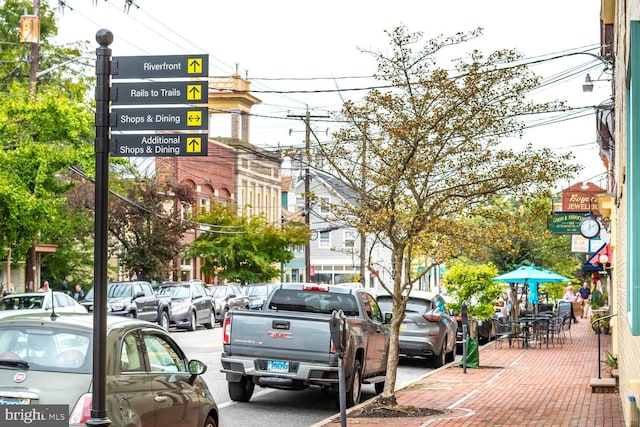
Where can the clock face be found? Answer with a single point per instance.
(589, 227)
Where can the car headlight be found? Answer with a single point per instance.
(116, 306)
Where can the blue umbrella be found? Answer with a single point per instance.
(531, 275)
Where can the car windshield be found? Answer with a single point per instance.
(21, 302)
(219, 292)
(89, 295)
(257, 291)
(179, 292)
(119, 290)
(45, 349)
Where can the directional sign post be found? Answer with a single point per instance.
(182, 92)
(151, 145)
(175, 118)
(143, 67)
(142, 106)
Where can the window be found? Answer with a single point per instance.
(162, 356)
(325, 204)
(349, 238)
(324, 241)
(130, 355)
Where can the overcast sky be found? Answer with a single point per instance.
(284, 45)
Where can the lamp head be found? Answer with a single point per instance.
(588, 84)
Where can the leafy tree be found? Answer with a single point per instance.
(244, 249)
(42, 135)
(473, 285)
(147, 223)
(426, 155)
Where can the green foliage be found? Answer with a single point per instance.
(598, 300)
(610, 360)
(148, 224)
(242, 249)
(473, 285)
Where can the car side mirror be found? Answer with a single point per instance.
(138, 294)
(196, 368)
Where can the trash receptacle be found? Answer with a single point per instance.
(473, 354)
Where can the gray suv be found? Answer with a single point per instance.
(227, 297)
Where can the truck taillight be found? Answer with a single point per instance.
(226, 331)
(315, 288)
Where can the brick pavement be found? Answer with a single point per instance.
(514, 387)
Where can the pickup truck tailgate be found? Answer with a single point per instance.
(302, 337)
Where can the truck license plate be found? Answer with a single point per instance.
(277, 366)
(14, 401)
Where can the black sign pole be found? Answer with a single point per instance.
(103, 76)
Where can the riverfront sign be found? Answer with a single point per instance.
(142, 107)
(144, 67)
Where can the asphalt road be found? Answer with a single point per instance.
(270, 407)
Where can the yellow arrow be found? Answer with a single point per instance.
(194, 145)
(194, 118)
(194, 65)
(194, 93)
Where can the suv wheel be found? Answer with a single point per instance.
(192, 322)
(211, 320)
(164, 320)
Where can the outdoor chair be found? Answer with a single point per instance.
(556, 331)
(540, 332)
(504, 332)
(566, 325)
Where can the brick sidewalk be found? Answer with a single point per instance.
(514, 387)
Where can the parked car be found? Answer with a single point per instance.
(227, 297)
(150, 380)
(137, 299)
(190, 304)
(428, 330)
(258, 293)
(87, 302)
(42, 301)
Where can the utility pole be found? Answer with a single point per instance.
(30, 33)
(307, 190)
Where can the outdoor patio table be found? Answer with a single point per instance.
(526, 322)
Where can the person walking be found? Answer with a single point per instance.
(585, 294)
(569, 296)
(78, 295)
(45, 287)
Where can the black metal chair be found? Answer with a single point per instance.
(540, 332)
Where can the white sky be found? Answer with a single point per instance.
(284, 44)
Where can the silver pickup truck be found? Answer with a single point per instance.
(287, 345)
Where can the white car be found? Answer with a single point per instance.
(41, 302)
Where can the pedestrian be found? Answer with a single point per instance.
(79, 293)
(44, 287)
(64, 288)
(585, 294)
(569, 296)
